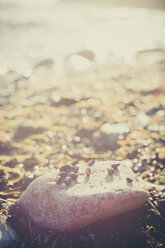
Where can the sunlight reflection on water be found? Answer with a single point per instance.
(36, 30)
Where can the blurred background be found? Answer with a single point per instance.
(32, 31)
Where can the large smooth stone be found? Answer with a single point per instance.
(57, 202)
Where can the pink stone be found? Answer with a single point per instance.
(96, 196)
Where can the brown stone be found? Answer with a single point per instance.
(67, 207)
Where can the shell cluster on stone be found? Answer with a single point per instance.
(67, 174)
(77, 195)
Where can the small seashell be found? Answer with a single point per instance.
(115, 166)
(129, 180)
(73, 176)
(88, 172)
(66, 168)
(74, 162)
(90, 162)
(110, 171)
(63, 175)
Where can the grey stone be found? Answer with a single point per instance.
(95, 197)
